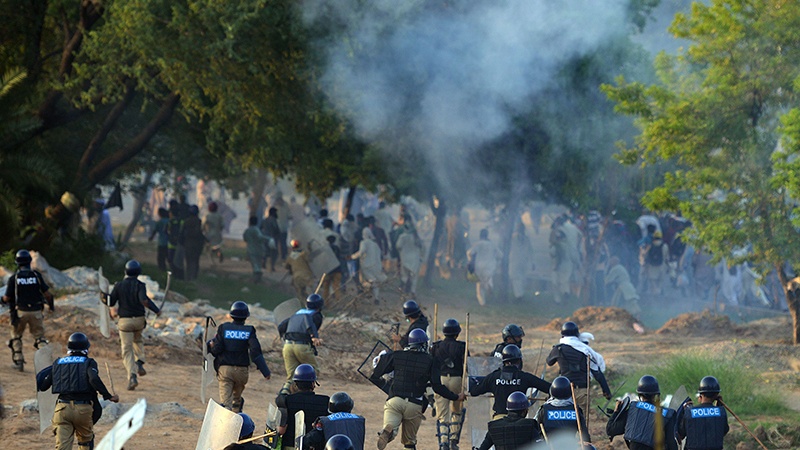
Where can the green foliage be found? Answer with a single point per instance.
(85, 249)
(741, 389)
(7, 259)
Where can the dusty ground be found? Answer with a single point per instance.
(174, 374)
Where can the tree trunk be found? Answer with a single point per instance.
(791, 289)
(348, 202)
(506, 240)
(440, 215)
(257, 193)
(139, 198)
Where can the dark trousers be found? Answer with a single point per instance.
(161, 257)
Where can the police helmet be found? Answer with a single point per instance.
(248, 427)
(78, 341)
(511, 353)
(417, 337)
(648, 385)
(512, 330)
(305, 372)
(451, 327)
(340, 402)
(133, 268)
(570, 329)
(339, 442)
(560, 388)
(23, 258)
(517, 401)
(411, 308)
(315, 301)
(239, 310)
(709, 385)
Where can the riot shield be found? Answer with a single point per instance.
(479, 414)
(299, 428)
(480, 366)
(371, 361)
(286, 310)
(321, 258)
(45, 357)
(678, 398)
(221, 427)
(104, 322)
(273, 420)
(127, 425)
(208, 375)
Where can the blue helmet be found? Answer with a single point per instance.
(23, 258)
(248, 427)
(517, 401)
(511, 353)
(339, 442)
(239, 310)
(305, 372)
(417, 337)
(411, 308)
(315, 301)
(133, 268)
(451, 327)
(561, 388)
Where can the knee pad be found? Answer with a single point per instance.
(40, 342)
(88, 445)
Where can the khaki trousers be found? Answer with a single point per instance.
(34, 320)
(130, 338)
(399, 411)
(580, 397)
(448, 410)
(232, 380)
(72, 420)
(296, 354)
(330, 286)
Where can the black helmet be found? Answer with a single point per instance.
(709, 385)
(560, 388)
(78, 341)
(304, 372)
(517, 401)
(239, 310)
(512, 330)
(340, 402)
(417, 337)
(23, 258)
(451, 327)
(133, 268)
(648, 385)
(511, 353)
(339, 442)
(410, 308)
(570, 329)
(315, 301)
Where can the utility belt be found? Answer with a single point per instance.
(416, 401)
(30, 308)
(289, 341)
(76, 402)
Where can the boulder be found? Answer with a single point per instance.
(85, 277)
(29, 405)
(52, 276)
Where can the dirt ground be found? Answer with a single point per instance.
(172, 384)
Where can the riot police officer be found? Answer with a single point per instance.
(512, 334)
(413, 369)
(26, 294)
(313, 405)
(513, 430)
(76, 381)
(248, 427)
(558, 413)
(416, 320)
(575, 360)
(704, 425)
(131, 295)
(234, 346)
(636, 421)
(448, 354)
(339, 421)
(507, 379)
(300, 334)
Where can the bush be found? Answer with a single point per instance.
(7, 260)
(86, 249)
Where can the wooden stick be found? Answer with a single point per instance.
(319, 285)
(544, 433)
(577, 415)
(255, 438)
(110, 380)
(742, 423)
(464, 377)
(435, 320)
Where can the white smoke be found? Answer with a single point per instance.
(447, 80)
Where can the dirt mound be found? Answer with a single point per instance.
(699, 324)
(595, 318)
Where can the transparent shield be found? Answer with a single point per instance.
(44, 357)
(221, 427)
(299, 428)
(127, 425)
(104, 322)
(286, 310)
(208, 375)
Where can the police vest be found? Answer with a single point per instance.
(512, 432)
(71, 375)
(640, 426)
(350, 425)
(559, 417)
(236, 341)
(705, 427)
(572, 364)
(311, 404)
(28, 290)
(298, 325)
(412, 373)
(449, 355)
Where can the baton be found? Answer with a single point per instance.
(743, 425)
(255, 438)
(435, 320)
(321, 280)
(110, 380)
(164, 300)
(577, 415)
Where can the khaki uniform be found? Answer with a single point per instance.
(399, 411)
(302, 276)
(130, 339)
(448, 411)
(232, 380)
(71, 420)
(296, 354)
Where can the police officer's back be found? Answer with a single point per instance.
(76, 380)
(636, 421)
(705, 425)
(514, 430)
(558, 415)
(313, 405)
(512, 334)
(574, 359)
(508, 379)
(340, 421)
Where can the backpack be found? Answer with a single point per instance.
(655, 255)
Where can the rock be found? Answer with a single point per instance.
(85, 277)
(5, 274)
(52, 276)
(87, 300)
(151, 285)
(29, 405)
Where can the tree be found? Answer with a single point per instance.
(715, 116)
